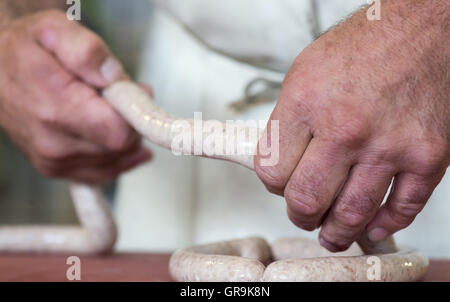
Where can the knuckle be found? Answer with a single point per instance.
(274, 191)
(401, 221)
(338, 244)
(309, 227)
(291, 81)
(415, 197)
(49, 151)
(347, 126)
(121, 140)
(351, 133)
(302, 202)
(352, 210)
(431, 157)
(302, 88)
(272, 178)
(404, 212)
(298, 96)
(350, 218)
(92, 44)
(91, 47)
(301, 222)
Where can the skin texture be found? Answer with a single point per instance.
(245, 260)
(365, 103)
(52, 69)
(241, 260)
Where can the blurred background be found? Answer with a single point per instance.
(200, 56)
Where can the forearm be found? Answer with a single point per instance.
(423, 26)
(408, 27)
(422, 30)
(10, 9)
(408, 50)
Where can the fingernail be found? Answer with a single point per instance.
(112, 71)
(378, 234)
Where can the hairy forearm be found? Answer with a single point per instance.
(419, 23)
(10, 9)
(408, 49)
(422, 29)
(407, 25)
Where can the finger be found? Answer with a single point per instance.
(56, 146)
(59, 164)
(315, 183)
(292, 138)
(80, 109)
(106, 157)
(41, 70)
(104, 173)
(355, 206)
(408, 197)
(79, 50)
(84, 113)
(59, 149)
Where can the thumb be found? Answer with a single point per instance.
(79, 50)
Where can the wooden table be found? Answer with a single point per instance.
(122, 267)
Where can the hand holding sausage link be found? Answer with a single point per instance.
(49, 104)
(366, 103)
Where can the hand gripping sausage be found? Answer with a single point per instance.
(244, 260)
(251, 259)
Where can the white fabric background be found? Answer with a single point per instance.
(179, 201)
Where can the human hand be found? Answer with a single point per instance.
(366, 103)
(51, 72)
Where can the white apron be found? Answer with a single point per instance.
(199, 56)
